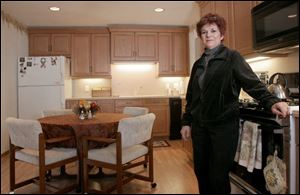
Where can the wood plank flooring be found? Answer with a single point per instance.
(173, 173)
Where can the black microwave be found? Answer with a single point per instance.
(275, 25)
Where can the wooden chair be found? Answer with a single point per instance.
(135, 111)
(132, 147)
(55, 112)
(27, 144)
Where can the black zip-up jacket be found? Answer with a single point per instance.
(227, 72)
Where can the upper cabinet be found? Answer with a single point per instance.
(133, 45)
(49, 43)
(163, 44)
(173, 53)
(91, 55)
(239, 24)
(92, 50)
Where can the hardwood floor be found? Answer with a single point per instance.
(173, 173)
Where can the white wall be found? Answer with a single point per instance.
(14, 43)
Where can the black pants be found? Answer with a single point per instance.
(214, 148)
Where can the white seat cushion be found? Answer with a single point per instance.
(108, 154)
(53, 155)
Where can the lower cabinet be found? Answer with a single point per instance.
(120, 104)
(106, 105)
(70, 104)
(160, 107)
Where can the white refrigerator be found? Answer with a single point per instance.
(43, 83)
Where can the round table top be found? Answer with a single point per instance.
(72, 119)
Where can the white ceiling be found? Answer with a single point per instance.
(101, 13)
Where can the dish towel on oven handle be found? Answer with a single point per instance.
(249, 151)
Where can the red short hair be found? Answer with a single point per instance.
(210, 19)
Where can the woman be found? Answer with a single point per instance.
(211, 117)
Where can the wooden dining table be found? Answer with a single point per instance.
(102, 125)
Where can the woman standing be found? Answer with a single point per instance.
(211, 116)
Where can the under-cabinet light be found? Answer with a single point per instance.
(158, 10)
(55, 9)
(134, 67)
(257, 59)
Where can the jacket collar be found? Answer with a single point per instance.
(222, 55)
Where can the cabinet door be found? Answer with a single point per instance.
(160, 107)
(161, 123)
(146, 46)
(180, 54)
(39, 44)
(101, 54)
(122, 46)
(120, 104)
(61, 44)
(241, 16)
(205, 8)
(165, 55)
(173, 54)
(81, 55)
(223, 9)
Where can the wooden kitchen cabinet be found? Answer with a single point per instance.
(134, 46)
(120, 104)
(237, 14)
(173, 54)
(91, 55)
(70, 104)
(106, 105)
(49, 44)
(242, 26)
(160, 107)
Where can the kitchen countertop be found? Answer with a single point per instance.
(126, 97)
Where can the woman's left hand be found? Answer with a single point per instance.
(281, 109)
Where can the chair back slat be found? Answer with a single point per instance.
(136, 130)
(136, 111)
(24, 133)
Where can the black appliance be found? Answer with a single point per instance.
(275, 25)
(272, 132)
(175, 118)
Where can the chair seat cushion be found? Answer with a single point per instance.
(53, 155)
(108, 154)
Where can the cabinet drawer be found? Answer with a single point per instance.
(156, 101)
(128, 102)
